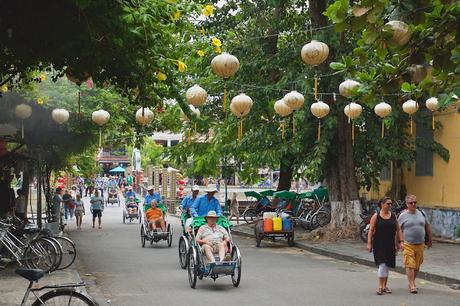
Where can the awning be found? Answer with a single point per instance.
(117, 169)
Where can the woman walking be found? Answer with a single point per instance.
(384, 239)
(79, 211)
(234, 209)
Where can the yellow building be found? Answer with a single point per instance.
(436, 183)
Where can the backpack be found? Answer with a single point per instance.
(427, 238)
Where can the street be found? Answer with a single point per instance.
(127, 274)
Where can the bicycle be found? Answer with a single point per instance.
(64, 294)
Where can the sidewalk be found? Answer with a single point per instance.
(441, 263)
(13, 286)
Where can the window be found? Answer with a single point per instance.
(423, 157)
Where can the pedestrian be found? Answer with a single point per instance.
(20, 205)
(384, 239)
(97, 207)
(234, 209)
(79, 211)
(67, 198)
(56, 208)
(416, 232)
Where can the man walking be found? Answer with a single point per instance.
(414, 227)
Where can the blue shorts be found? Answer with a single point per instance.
(97, 213)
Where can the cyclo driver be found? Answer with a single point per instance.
(186, 204)
(206, 203)
(213, 238)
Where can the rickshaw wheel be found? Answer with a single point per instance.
(142, 236)
(170, 235)
(290, 240)
(249, 215)
(183, 252)
(191, 268)
(236, 276)
(257, 234)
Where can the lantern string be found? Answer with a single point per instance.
(432, 121)
(22, 129)
(189, 137)
(383, 128)
(100, 137)
(315, 93)
(353, 132)
(411, 128)
(319, 129)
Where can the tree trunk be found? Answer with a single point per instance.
(285, 175)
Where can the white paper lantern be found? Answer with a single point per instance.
(100, 117)
(23, 111)
(315, 52)
(60, 115)
(225, 65)
(196, 95)
(282, 109)
(353, 110)
(144, 116)
(319, 109)
(410, 107)
(194, 110)
(241, 105)
(294, 100)
(382, 109)
(401, 31)
(432, 104)
(346, 87)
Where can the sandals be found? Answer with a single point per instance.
(380, 291)
(413, 290)
(387, 290)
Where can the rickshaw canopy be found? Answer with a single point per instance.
(254, 194)
(268, 193)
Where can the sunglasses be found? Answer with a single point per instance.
(389, 203)
(412, 202)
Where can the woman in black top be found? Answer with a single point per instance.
(384, 239)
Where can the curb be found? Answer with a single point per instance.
(436, 278)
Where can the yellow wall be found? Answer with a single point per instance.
(443, 188)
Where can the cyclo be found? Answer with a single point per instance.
(191, 255)
(156, 235)
(131, 210)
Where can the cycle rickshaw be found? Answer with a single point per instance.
(131, 210)
(156, 235)
(196, 262)
(112, 197)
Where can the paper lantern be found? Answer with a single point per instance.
(76, 78)
(282, 109)
(401, 31)
(319, 110)
(346, 87)
(241, 106)
(144, 116)
(196, 95)
(294, 100)
(23, 111)
(60, 115)
(225, 65)
(432, 104)
(315, 52)
(193, 110)
(100, 117)
(410, 107)
(353, 111)
(382, 110)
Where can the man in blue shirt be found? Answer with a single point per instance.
(151, 196)
(206, 203)
(130, 193)
(188, 200)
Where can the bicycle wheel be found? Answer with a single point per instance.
(58, 246)
(322, 218)
(65, 296)
(249, 215)
(69, 252)
(42, 254)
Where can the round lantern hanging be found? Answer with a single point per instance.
(432, 104)
(196, 95)
(77, 78)
(347, 86)
(295, 100)
(225, 65)
(353, 111)
(320, 110)
(100, 117)
(60, 115)
(314, 53)
(23, 111)
(282, 109)
(382, 110)
(410, 107)
(241, 106)
(401, 32)
(144, 116)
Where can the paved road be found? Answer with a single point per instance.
(127, 274)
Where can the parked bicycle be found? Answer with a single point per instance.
(62, 294)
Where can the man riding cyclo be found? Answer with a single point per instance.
(213, 238)
(204, 204)
(152, 195)
(187, 202)
(155, 217)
